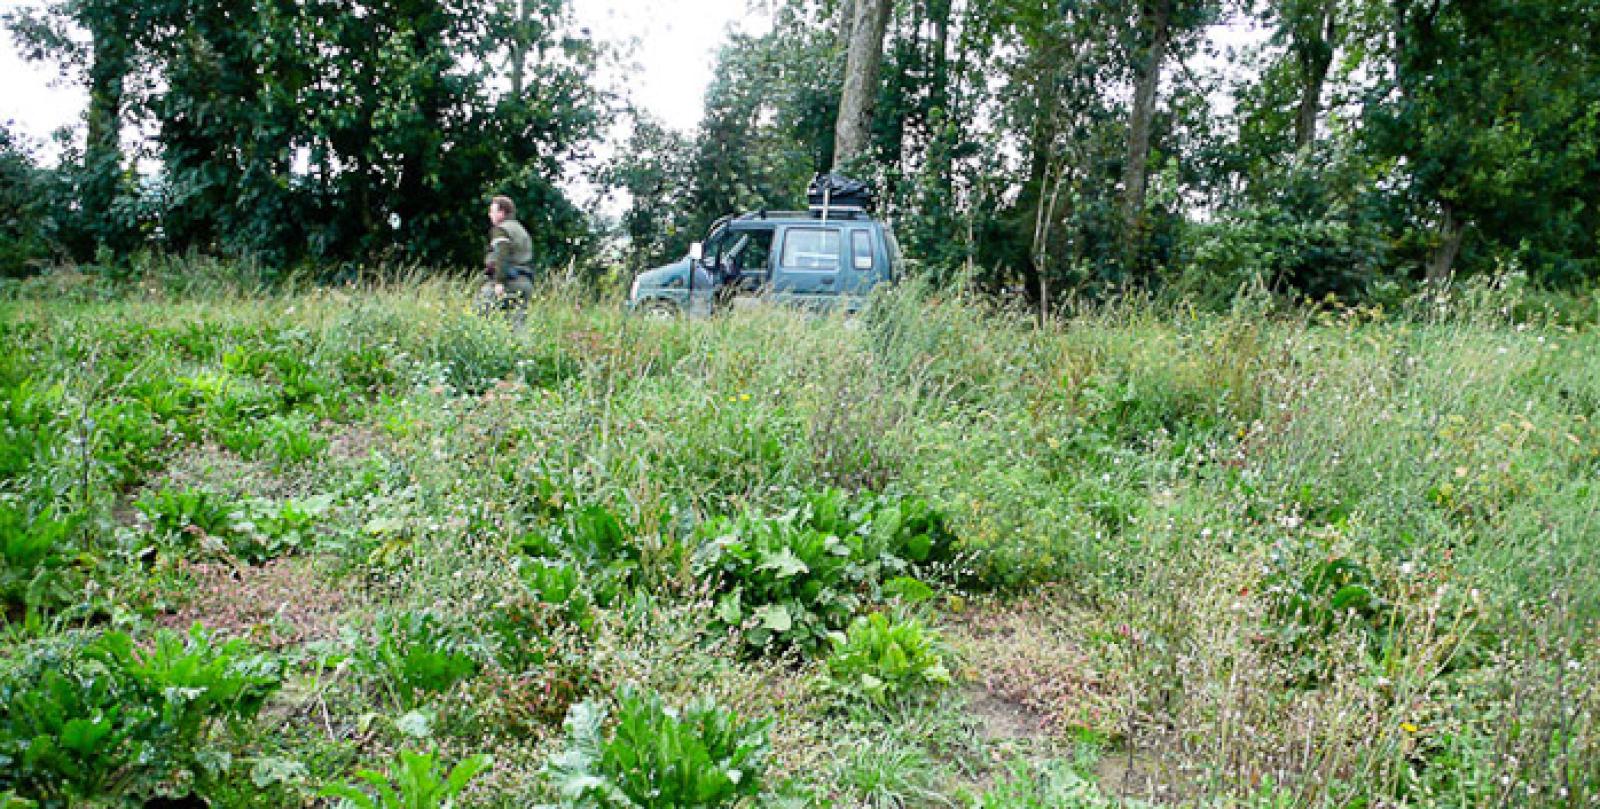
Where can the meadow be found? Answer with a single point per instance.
(360, 546)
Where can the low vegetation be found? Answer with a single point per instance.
(361, 547)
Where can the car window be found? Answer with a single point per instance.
(754, 251)
(861, 250)
(811, 249)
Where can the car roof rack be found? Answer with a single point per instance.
(851, 212)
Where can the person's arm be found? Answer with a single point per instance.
(499, 259)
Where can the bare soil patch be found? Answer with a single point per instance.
(281, 603)
(1035, 676)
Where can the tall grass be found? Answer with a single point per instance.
(1332, 559)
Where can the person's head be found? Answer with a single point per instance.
(501, 209)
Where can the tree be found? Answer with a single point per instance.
(1312, 30)
(1489, 109)
(105, 64)
(868, 21)
(654, 170)
(26, 214)
(1162, 29)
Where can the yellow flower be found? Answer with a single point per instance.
(1408, 727)
(744, 397)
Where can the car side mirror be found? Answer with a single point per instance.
(697, 251)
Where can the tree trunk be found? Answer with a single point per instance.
(1315, 55)
(519, 49)
(1155, 19)
(1041, 147)
(860, 91)
(103, 149)
(941, 150)
(1451, 231)
(847, 16)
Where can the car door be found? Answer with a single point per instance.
(810, 260)
(864, 264)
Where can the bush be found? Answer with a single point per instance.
(701, 756)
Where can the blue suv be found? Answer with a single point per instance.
(826, 257)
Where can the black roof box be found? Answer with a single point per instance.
(829, 193)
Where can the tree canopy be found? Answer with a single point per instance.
(1045, 148)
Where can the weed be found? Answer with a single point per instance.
(882, 661)
(414, 660)
(82, 722)
(658, 757)
(413, 781)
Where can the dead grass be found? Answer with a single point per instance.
(281, 603)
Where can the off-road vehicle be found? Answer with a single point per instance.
(831, 255)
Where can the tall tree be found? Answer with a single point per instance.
(1311, 27)
(1151, 35)
(868, 21)
(114, 30)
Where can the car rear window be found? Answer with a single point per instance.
(811, 249)
(861, 250)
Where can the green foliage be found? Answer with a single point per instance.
(656, 756)
(1052, 786)
(414, 658)
(783, 584)
(885, 773)
(401, 117)
(292, 441)
(175, 512)
(883, 661)
(414, 781)
(262, 529)
(789, 581)
(29, 411)
(130, 440)
(33, 548)
(25, 215)
(1366, 527)
(252, 530)
(103, 719)
(1332, 594)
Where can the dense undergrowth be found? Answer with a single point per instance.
(932, 556)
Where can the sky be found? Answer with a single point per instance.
(672, 47)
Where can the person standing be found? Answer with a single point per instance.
(507, 266)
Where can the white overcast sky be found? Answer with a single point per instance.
(673, 44)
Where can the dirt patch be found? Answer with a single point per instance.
(351, 442)
(214, 468)
(1000, 720)
(1144, 777)
(1033, 670)
(280, 603)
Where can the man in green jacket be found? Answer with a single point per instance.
(507, 266)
